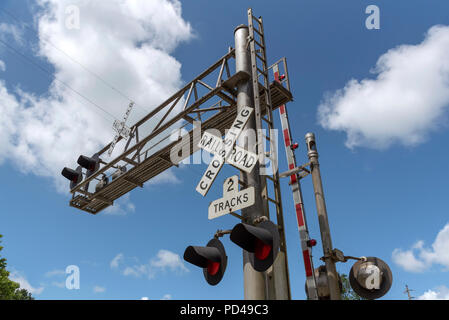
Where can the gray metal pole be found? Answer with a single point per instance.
(255, 283)
(332, 276)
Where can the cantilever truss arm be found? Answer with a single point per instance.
(221, 88)
(209, 98)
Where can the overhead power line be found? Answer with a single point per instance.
(23, 56)
(97, 76)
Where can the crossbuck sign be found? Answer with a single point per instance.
(220, 157)
(239, 157)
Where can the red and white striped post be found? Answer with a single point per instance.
(297, 198)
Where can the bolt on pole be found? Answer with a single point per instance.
(332, 276)
(255, 283)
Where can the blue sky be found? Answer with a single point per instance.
(382, 141)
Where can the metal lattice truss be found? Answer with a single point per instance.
(209, 98)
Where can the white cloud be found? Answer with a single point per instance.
(164, 260)
(128, 43)
(167, 297)
(61, 284)
(54, 273)
(121, 207)
(24, 284)
(407, 100)
(11, 30)
(167, 259)
(167, 176)
(116, 261)
(98, 289)
(420, 258)
(144, 298)
(440, 293)
(2, 65)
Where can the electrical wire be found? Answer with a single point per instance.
(54, 77)
(8, 13)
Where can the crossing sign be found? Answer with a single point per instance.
(239, 157)
(219, 158)
(232, 200)
(122, 130)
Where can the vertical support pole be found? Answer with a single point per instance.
(255, 283)
(295, 185)
(332, 276)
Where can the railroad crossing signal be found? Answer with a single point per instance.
(232, 200)
(91, 164)
(212, 258)
(261, 241)
(370, 278)
(75, 176)
(219, 159)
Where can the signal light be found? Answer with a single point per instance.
(282, 77)
(211, 258)
(90, 164)
(294, 146)
(311, 243)
(75, 176)
(261, 241)
(370, 278)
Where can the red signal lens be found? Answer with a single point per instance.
(213, 267)
(282, 77)
(294, 146)
(262, 250)
(311, 243)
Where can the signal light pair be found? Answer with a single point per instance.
(91, 164)
(261, 242)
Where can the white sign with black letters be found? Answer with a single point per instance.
(240, 158)
(232, 200)
(219, 159)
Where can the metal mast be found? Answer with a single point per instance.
(329, 259)
(278, 275)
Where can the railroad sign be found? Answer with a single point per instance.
(122, 130)
(239, 157)
(232, 200)
(219, 159)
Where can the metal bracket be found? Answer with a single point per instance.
(338, 256)
(221, 233)
(260, 219)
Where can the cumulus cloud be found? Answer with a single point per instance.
(440, 293)
(98, 289)
(127, 43)
(164, 261)
(167, 297)
(419, 258)
(24, 284)
(116, 261)
(121, 207)
(168, 260)
(56, 272)
(403, 104)
(10, 30)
